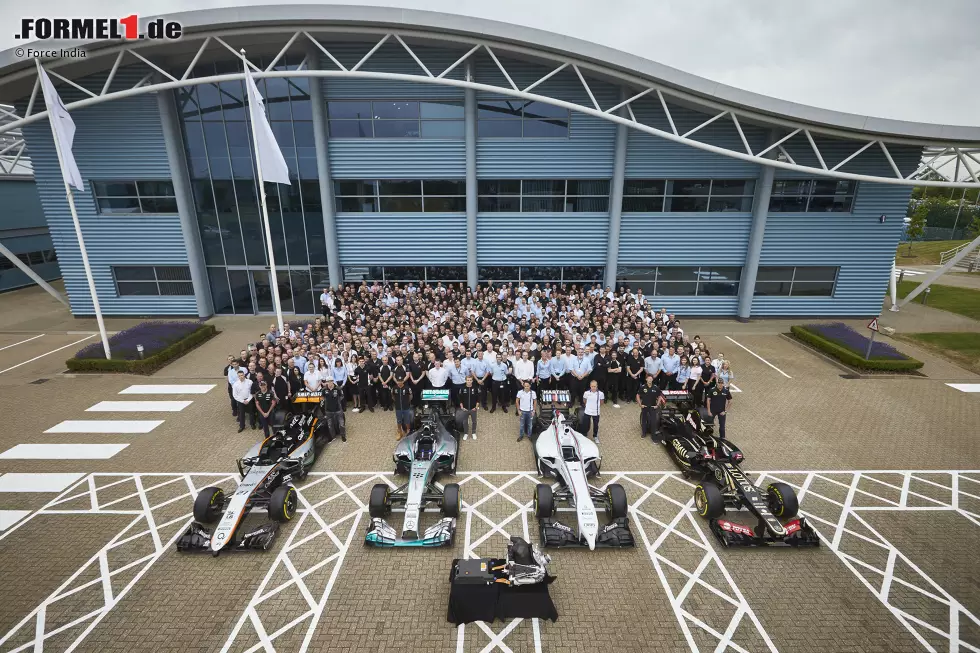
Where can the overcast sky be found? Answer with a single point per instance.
(904, 59)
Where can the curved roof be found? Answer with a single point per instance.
(385, 17)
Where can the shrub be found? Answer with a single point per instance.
(848, 346)
(162, 343)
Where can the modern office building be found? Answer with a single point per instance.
(426, 146)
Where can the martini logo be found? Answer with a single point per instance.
(97, 29)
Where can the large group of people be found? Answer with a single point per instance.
(378, 346)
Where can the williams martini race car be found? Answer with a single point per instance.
(566, 455)
(268, 471)
(715, 463)
(432, 448)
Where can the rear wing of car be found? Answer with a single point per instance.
(556, 397)
(308, 397)
(677, 396)
(435, 394)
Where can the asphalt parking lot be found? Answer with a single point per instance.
(885, 466)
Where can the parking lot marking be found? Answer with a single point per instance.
(10, 517)
(105, 426)
(759, 357)
(62, 451)
(14, 367)
(734, 388)
(18, 482)
(139, 406)
(22, 342)
(166, 390)
(965, 387)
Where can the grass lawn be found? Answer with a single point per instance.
(964, 301)
(924, 253)
(961, 348)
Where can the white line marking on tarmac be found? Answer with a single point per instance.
(166, 390)
(105, 426)
(760, 358)
(965, 387)
(20, 482)
(734, 388)
(10, 517)
(21, 342)
(139, 406)
(62, 451)
(49, 353)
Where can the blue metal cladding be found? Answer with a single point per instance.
(542, 238)
(21, 205)
(13, 277)
(115, 140)
(587, 153)
(684, 239)
(401, 238)
(394, 158)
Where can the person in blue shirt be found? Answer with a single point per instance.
(671, 363)
(500, 385)
(653, 366)
(580, 370)
(543, 371)
(683, 374)
(481, 374)
(456, 377)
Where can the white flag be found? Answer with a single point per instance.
(266, 148)
(63, 129)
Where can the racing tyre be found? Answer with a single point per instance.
(209, 505)
(451, 501)
(618, 505)
(544, 502)
(708, 501)
(282, 505)
(378, 503)
(782, 500)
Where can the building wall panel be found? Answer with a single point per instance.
(684, 238)
(21, 205)
(542, 238)
(401, 239)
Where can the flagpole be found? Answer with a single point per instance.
(78, 227)
(274, 282)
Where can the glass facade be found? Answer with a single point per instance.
(403, 273)
(577, 274)
(665, 281)
(217, 138)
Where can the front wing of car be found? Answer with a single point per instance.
(615, 534)
(732, 534)
(381, 533)
(197, 539)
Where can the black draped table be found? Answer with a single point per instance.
(469, 602)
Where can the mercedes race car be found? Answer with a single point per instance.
(715, 463)
(268, 471)
(572, 459)
(432, 448)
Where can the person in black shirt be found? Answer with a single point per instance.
(295, 379)
(416, 375)
(384, 385)
(634, 369)
(469, 404)
(360, 381)
(600, 364)
(373, 368)
(401, 397)
(707, 382)
(614, 384)
(719, 399)
(651, 399)
(280, 387)
(265, 403)
(333, 409)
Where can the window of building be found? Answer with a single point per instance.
(405, 273)
(687, 195)
(521, 119)
(30, 259)
(543, 195)
(531, 274)
(401, 196)
(812, 196)
(787, 281)
(139, 197)
(395, 119)
(152, 280)
(702, 281)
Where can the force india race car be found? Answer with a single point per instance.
(715, 463)
(267, 470)
(432, 448)
(563, 453)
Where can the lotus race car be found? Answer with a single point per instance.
(563, 453)
(715, 463)
(267, 470)
(432, 448)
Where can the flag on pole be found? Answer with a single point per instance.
(63, 128)
(267, 150)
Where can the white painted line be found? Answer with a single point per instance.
(965, 387)
(105, 426)
(18, 482)
(21, 342)
(10, 517)
(734, 388)
(760, 358)
(166, 390)
(909, 273)
(139, 406)
(62, 451)
(14, 367)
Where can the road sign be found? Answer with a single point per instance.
(873, 324)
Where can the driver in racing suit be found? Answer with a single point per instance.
(333, 409)
(651, 399)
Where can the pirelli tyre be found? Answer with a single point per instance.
(708, 500)
(782, 500)
(378, 504)
(544, 502)
(283, 503)
(451, 502)
(616, 498)
(209, 505)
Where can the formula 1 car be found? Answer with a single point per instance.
(430, 449)
(268, 471)
(715, 463)
(563, 453)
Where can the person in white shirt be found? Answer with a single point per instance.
(241, 390)
(438, 375)
(591, 400)
(314, 375)
(526, 404)
(489, 356)
(524, 369)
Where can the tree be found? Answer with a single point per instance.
(974, 229)
(917, 226)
